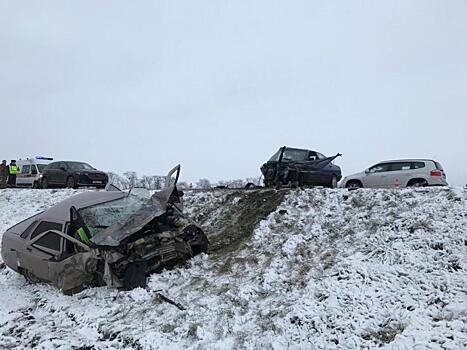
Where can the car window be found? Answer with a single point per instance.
(312, 155)
(418, 165)
(380, 168)
(80, 166)
(401, 166)
(320, 155)
(28, 230)
(46, 226)
(41, 167)
(50, 240)
(53, 165)
(275, 157)
(25, 169)
(438, 166)
(33, 169)
(294, 155)
(100, 216)
(62, 165)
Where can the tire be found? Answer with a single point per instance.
(333, 182)
(70, 182)
(353, 185)
(197, 239)
(29, 276)
(418, 183)
(44, 183)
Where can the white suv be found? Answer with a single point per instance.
(398, 173)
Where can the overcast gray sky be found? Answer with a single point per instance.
(218, 86)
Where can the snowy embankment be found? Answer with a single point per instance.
(325, 269)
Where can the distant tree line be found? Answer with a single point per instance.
(130, 179)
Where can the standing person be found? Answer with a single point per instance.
(3, 174)
(13, 169)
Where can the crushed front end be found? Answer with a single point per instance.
(139, 235)
(156, 247)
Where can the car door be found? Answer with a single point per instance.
(62, 173)
(376, 176)
(42, 246)
(51, 173)
(312, 175)
(34, 176)
(55, 257)
(49, 244)
(23, 178)
(326, 169)
(398, 175)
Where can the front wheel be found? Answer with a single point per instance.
(196, 238)
(70, 182)
(353, 185)
(30, 277)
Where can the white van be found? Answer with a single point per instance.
(30, 171)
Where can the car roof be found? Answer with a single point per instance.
(61, 211)
(33, 161)
(407, 160)
(299, 149)
(69, 161)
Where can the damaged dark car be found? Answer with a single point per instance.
(301, 167)
(105, 238)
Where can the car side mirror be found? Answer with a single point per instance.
(367, 171)
(62, 168)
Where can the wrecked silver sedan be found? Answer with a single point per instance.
(104, 238)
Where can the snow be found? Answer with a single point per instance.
(327, 269)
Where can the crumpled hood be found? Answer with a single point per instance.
(115, 234)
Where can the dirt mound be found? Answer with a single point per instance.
(230, 217)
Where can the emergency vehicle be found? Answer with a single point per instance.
(31, 171)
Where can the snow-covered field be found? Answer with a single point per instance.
(325, 269)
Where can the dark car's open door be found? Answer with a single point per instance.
(300, 172)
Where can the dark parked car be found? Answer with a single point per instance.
(301, 167)
(105, 238)
(72, 175)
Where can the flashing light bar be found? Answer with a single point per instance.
(44, 158)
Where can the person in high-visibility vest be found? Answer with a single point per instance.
(82, 236)
(13, 169)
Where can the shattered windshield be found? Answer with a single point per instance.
(294, 155)
(275, 157)
(98, 217)
(290, 155)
